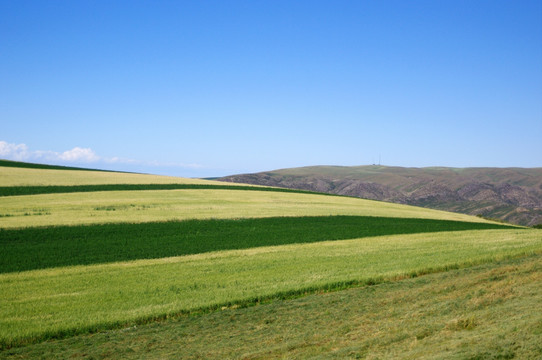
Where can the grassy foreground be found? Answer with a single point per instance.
(38, 248)
(482, 312)
(41, 304)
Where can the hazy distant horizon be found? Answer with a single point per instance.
(167, 171)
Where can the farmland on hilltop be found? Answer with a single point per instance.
(107, 265)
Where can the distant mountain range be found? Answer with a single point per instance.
(510, 194)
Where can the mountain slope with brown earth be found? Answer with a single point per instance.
(509, 194)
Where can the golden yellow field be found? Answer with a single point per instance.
(162, 205)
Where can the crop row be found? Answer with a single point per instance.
(57, 189)
(46, 247)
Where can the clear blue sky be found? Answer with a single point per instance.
(210, 88)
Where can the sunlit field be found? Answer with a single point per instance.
(39, 247)
(84, 262)
(479, 312)
(17, 176)
(164, 205)
(71, 300)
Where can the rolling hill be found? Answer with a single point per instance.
(510, 194)
(106, 265)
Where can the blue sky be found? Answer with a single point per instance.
(211, 88)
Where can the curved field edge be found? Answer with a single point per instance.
(60, 189)
(479, 312)
(39, 248)
(62, 302)
(165, 205)
(27, 165)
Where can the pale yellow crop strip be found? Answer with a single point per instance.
(13, 176)
(163, 205)
(38, 303)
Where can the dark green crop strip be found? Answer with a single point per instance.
(57, 189)
(47, 247)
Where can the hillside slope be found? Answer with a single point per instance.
(91, 251)
(510, 194)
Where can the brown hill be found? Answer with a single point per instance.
(509, 194)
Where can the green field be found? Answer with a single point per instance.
(69, 300)
(480, 312)
(93, 261)
(53, 189)
(38, 248)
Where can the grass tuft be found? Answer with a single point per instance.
(463, 323)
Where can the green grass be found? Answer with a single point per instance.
(37, 248)
(62, 302)
(482, 312)
(58, 189)
(241, 247)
